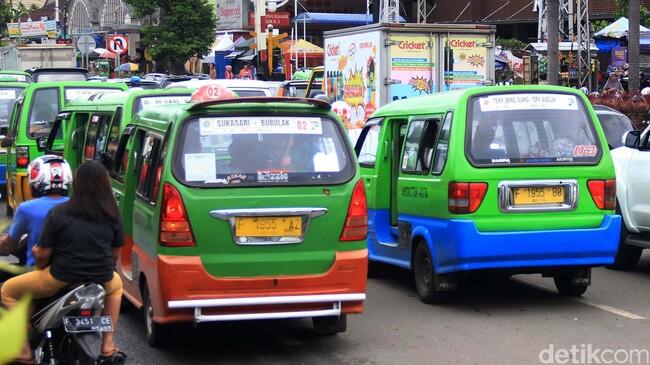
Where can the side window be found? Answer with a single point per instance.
(121, 159)
(114, 135)
(368, 152)
(148, 166)
(418, 150)
(15, 118)
(442, 147)
(44, 108)
(91, 137)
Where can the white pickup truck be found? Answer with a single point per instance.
(631, 155)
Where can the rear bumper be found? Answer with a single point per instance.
(465, 248)
(189, 293)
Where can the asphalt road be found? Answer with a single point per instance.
(489, 322)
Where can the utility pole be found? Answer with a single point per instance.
(633, 44)
(553, 46)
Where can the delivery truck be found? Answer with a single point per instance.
(369, 66)
(33, 56)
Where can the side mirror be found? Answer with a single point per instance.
(41, 143)
(631, 139)
(6, 142)
(75, 137)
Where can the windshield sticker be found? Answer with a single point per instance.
(507, 102)
(163, 100)
(273, 176)
(72, 94)
(95, 119)
(500, 160)
(7, 94)
(200, 167)
(260, 125)
(588, 150)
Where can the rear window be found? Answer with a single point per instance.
(262, 151)
(530, 129)
(72, 93)
(150, 101)
(615, 125)
(8, 96)
(45, 107)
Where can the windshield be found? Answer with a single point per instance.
(262, 151)
(8, 96)
(45, 107)
(145, 102)
(14, 77)
(614, 126)
(72, 93)
(530, 129)
(59, 76)
(249, 92)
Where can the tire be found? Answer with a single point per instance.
(425, 276)
(564, 287)
(626, 256)
(156, 333)
(330, 325)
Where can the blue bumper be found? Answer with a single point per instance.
(456, 245)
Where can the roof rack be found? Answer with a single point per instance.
(321, 104)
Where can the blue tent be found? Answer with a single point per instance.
(337, 19)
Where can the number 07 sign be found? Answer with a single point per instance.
(118, 44)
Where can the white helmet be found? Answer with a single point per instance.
(50, 174)
(645, 91)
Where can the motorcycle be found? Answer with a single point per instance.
(67, 327)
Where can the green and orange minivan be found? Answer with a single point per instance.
(31, 119)
(507, 179)
(241, 209)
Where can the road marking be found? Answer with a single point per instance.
(604, 307)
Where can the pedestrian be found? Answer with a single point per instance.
(213, 71)
(613, 83)
(228, 74)
(246, 73)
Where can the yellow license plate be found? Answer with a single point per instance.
(268, 226)
(538, 195)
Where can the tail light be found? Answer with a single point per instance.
(85, 313)
(603, 192)
(175, 230)
(356, 222)
(466, 197)
(22, 157)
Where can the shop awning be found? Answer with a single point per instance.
(337, 19)
(234, 54)
(619, 29)
(301, 46)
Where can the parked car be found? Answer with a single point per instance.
(631, 156)
(243, 88)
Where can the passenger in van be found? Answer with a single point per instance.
(88, 223)
(483, 141)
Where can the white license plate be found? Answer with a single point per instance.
(88, 324)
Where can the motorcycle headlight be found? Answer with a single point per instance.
(86, 297)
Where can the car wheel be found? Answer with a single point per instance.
(564, 286)
(330, 325)
(626, 256)
(156, 333)
(425, 276)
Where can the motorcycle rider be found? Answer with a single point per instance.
(88, 223)
(50, 177)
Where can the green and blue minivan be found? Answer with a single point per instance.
(9, 92)
(241, 209)
(93, 125)
(31, 119)
(513, 179)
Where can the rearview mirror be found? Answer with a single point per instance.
(631, 139)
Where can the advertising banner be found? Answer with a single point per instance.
(32, 29)
(468, 62)
(619, 56)
(412, 65)
(352, 79)
(233, 14)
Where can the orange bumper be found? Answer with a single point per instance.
(187, 292)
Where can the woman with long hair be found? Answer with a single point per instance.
(79, 242)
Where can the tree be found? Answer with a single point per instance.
(633, 47)
(186, 29)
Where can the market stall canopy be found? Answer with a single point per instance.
(542, 47)
(337, 19)
(234, 54)
(619, 29)
(223, 43)
(301, 46)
